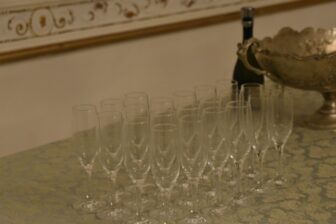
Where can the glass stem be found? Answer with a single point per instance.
(218, 181)
(239, 179)
(251, 162)
(113, 191)
(260, 181)
(279, 148)
(166, 196)
(139, 185)
(195, 199)
(89, 192)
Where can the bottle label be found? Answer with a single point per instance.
(247, 23)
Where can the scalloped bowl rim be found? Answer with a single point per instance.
(316, 56)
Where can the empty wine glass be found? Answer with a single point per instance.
(85, 141)
(280, 125)
(253, 94)
(193, 158)
(239, 132)
(215, 142)
(184, 100)
(165, 162)
(262, 143)
(137, 153)
(206, 96)
(111, 159)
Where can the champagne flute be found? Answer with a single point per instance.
(165, 162)
(253, 93)
(206, 96)
(137, 153)
(215, 141)
(111, 159)
(184, 101)
(162, 110)
(85, 141)
(193, 159)
(280, 125)
(262, 143)
(239, 132)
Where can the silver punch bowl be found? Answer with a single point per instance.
(301, 59)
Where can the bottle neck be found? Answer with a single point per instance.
(247, 28)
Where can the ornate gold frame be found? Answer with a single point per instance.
(142, 32)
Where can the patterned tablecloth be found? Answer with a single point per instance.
(38, 186)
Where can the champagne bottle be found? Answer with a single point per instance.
(241, 74)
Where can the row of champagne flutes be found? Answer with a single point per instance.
(213, 133)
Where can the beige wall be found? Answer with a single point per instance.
(37, 95)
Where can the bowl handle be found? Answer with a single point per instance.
(243, 51)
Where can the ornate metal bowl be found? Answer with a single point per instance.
(301, 59)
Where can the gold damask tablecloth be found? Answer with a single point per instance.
(39, 185)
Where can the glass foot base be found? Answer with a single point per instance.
(169, 215)
(141, 221)
(279, 181)
(88, 206)
(259, 190)
(147, 204)
(194, 219)
(117, 215)
(185, 203)
(217, 210)
(238, 200)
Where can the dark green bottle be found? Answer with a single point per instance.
(241, 74)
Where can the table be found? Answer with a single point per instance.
(38, 186)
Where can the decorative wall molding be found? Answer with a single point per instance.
(31, 27)
(54, 19)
